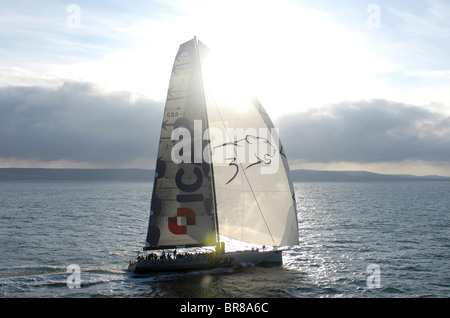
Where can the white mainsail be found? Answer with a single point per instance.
(240, 187)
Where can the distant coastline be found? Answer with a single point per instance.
(76, 174)
(147, 175)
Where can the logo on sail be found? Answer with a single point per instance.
(179, 223)
(247, 148)
(256, 156)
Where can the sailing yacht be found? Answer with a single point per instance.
(221, 174)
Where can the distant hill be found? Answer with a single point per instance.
(148, 175)
(356, 176)
(76, 174)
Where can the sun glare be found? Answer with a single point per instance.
(289, 57)
(227, 80)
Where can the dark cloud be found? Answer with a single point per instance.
(366, 131)
(78, 122)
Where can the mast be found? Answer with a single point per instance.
(211, 165)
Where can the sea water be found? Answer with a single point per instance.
(372, 239)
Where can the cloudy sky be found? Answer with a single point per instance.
(352, 85)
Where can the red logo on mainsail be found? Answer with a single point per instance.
(182, 213)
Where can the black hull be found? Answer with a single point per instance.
(207, 261)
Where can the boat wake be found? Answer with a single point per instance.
(23, 278)
(55, 276)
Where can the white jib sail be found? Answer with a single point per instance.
(253, 191)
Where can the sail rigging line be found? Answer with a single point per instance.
(243, 170)
(211, 165)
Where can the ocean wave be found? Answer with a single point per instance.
(19, 271)
(56, 276)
